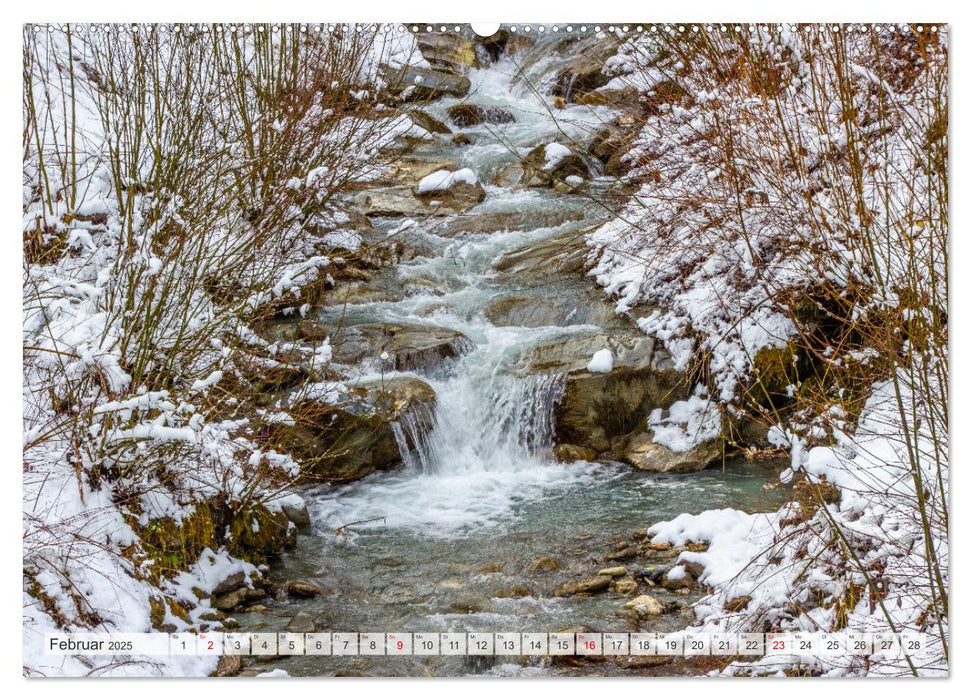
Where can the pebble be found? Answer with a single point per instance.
(645, 605)
(620, 554)
(304, 589)
(587, 585)
(545, 564)
(301, 622)
(613, 571)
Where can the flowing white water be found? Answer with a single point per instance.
(490, 438)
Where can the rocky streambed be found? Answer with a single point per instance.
(466, 467)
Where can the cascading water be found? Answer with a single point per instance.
(448, 541)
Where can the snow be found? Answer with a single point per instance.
(792, 570)
(602, 362)
(553, 154)
(687, 423)
(445, 179)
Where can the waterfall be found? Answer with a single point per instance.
(412, 431)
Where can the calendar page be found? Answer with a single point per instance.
(438, 349)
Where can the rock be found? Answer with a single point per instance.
(509, 176)
(462, 140)
(304, 589)
(655, 574)
(613, 571)
(339, 443)
(411, 83)
(588, 585)
(623, 554)
(449, 51)
(601, 411)
(625, 586)
(228, 666)
(495, 221)
(410, 170)
(301, 622)
(403, 200)
(514, 592)
(585, 72)
(428, 122)
(626, 99)
(676, 578)
(230, 600)
(453, 584)
(561, 254)
(647, 455)
(297, 514)
(408, 346)
(456, 198)
(635, 662)
(567, 301)
(270, 376)
(573, 453)
(612, 143)
(545, 564)
(539, 171)
(230, 583)
(465, 115)
(504, 42)
(696, 569)
(645, 605)
(396, 201)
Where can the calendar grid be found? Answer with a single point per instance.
(378, 644)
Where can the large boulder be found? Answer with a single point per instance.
(447, 51)
(393, 201)
(645, 454)
(496, 221)
(403, 347)
(584, 73)
(551, 164)
(504, 42)
(602, 410)
(414, 84)
(428, 122)
(556, 303)
(451, 190)
(347, 437)
(562, 254)
(404, 200)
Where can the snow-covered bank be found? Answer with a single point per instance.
(790, 232)
(857, 563)
(164, 214)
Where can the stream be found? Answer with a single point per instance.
(451, 541)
